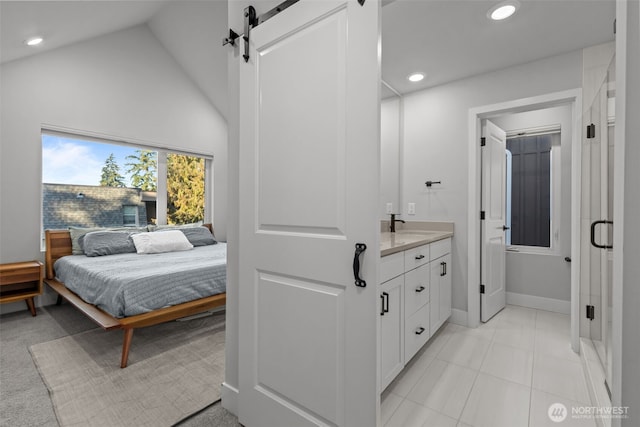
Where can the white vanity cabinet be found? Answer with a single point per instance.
(391, 329)
(416, 310)
(440, 273)
(391, 311)
(414, 301)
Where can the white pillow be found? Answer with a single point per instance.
(155, 243)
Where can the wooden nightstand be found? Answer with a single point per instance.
(21, 281)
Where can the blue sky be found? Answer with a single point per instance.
(72, 161)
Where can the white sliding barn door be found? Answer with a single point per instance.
(309, 183)
(494, 185)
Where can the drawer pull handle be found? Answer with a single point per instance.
(420, 330)
(419, 256)
(420, 289)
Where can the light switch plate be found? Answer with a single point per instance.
(411, 210)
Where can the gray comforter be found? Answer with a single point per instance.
(124, 285)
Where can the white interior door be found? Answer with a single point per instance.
(309, 174)
(494, 182)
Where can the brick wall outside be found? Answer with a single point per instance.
(97, 207)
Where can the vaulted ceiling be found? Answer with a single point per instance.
(446, 39)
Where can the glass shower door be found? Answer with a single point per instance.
(599, 145)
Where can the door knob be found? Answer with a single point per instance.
(505, 228)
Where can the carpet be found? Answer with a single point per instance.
(175, 369)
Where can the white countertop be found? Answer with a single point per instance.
(399, 241)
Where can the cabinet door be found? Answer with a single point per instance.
(445, 288)
(435, 270)
(390, 309)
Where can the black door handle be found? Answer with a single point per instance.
(383, 310)
(593, 234)
(420, 330)
(420, 289)
(505, 228)
(360, 248)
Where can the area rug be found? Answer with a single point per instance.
(175, 369)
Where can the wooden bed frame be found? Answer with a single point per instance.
(58, 244)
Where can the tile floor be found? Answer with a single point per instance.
(507, 372)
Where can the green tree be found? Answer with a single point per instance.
(110, 176)
(143, 169)
(185, 189)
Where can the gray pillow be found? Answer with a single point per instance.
(197, 236)
(99, 243)
(77, 235)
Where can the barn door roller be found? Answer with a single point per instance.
(252, 21)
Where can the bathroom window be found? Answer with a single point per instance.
(532, 185)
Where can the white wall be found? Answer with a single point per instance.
(545, 275)
(390, 155)
(189, 26)
(435, 143)
(124, 84)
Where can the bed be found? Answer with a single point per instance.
(130, 291)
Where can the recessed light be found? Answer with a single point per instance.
(33, 41)
(503, 10)
(415, 77)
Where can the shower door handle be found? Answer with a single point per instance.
(593, 234)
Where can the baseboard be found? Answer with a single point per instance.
(595, 377)
(459, 317)
(230, 398)
(540, 303)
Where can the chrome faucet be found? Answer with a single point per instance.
(392, 225)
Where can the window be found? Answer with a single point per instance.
(185, 188)
(130, 216)
(532, 186)
(97, 183)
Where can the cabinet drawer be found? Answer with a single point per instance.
(416, 289)
(12, 276)
(416, 332)
(391, 266)
(416, 257)
(440, 248)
